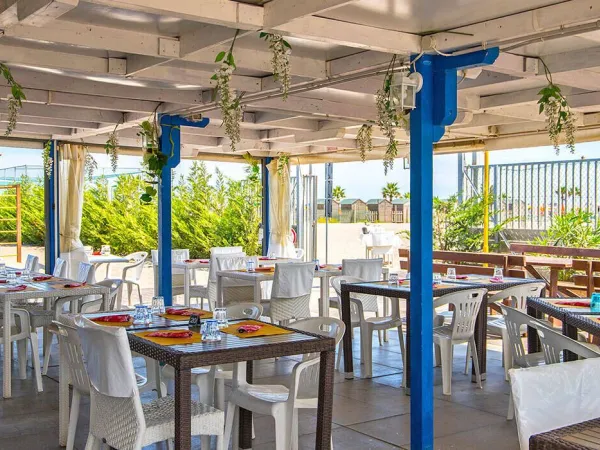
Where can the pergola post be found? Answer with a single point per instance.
(436, 108)
(170, 143)
(51, 217)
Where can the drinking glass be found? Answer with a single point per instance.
(11, 277)
(25, 275)
(498, 274)
(271, 255)
(147, 315)
(2, 268)
(210, 330)
(105, 250)
(139, 315)
(220, 315)
(595, 302)
(158, 305)
(393, 279)
(250, 266)
(437, 278)
(451, 273)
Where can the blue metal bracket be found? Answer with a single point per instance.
(436, 108)
(170, 143)
(51, 186)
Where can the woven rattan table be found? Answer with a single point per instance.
(581, 436)
(232, 349)
(384, 289)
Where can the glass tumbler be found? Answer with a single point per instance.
(220, 315)
(139, 315)
(210, 330)
(498, 274)
(437, 278)
(158, 305)
(451, 273)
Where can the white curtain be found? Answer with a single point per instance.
(72, 163)
(280, 238)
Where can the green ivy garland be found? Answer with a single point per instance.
(15, 100)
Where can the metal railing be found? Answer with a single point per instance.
(532, 194)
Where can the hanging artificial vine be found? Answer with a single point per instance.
(47, 159)
(231, 108)
(280, 61)
(283, 160)
(364, 138)
(559, 116)
(388, 117)
(90, 164)
(15, 101)
(253, 169)
(111, 147)
(155, 159)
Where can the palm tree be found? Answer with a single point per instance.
(390, 191)
(338, 193)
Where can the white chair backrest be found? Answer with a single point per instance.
(244, 311)
(518, 295)
(466, 307)
(213, 266)
(385, 239)
(553, 344)
(181, 253)
(554, 396)
(85, 274)
(114, 285)
(31, 263)
(226, 250)
(67, 334)
(138, 259)
(60, 268)
(154, 256)
(107, 358)
(293, 280)
(369, 302)
(326, 326)
(515, 322)
(365, 269)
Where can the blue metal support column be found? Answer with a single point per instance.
(170, 143)
(51, 216)
(436, 108)
(266, 205)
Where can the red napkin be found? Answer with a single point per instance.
(171, 334)
(189, 260)
(42, 278)
(249, 328)
(573, 303)
(203, 260)
(20, 287)
(462, 277)
(266, 258)
(74, 285)
(322, 266)
(4, 281)
(339, 267)
(496, 280)
(96, 253)
(115, 318)
(179, 312)
(18, 273)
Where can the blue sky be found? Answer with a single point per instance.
(362, 180)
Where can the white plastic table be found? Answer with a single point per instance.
(98, 260)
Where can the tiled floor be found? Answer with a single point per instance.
(368, 414)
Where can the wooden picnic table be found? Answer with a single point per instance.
(533, 263)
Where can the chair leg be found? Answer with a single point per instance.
(93, 443)
(506, 354)
(219, 399)
(229, 419)
(219, 445)
(205, 441)
(445, 346)
(35, 358)
(282, 434)
(403, 352)
(47, 351)
(511, 408)
(22, 355)
(379, 335)
(467, 359)
(339, 356)
(367, 340)
(294, 433)
(139, 293)
(476, 362)
(129, 291)
(437, 356)
(73, 418)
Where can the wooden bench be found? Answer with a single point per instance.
(471, 263)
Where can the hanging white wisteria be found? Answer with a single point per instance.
(90, 164)
(283, 160)
(47, 159)
(364, 139)
(231, 108)
(15, 99)
(111, 147)
(280, 60)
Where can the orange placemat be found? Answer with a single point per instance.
(575, 305)
(195, 339)
(202, 313)
(265, 269)
(114, 324)
(266, 329)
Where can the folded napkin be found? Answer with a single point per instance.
(18, 273)
(20, 287)
(4, 281)
(322, 266)
(462, 277)
(114, 318)
(496, 280)
(97, 253)
(249, 328)
(266, 258)
(42, 278)
(179, 312)
(74, 284)
(573, 303)
(189, 260)
(171, 334)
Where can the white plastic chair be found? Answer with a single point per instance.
(383, 245)
(115, 287)
(281, 402)
(32, 263)
(358, 304)
(118, 418)
(290, 296)
(60, 268)
(461, 330)
(234, 291)
(553, 345)
(177, 275)
(138, 259)
(554, 396)
(209, 291)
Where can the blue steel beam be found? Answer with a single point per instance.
(436, 108)
(51, 186)
(170, 144)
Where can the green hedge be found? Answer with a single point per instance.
(206, 213)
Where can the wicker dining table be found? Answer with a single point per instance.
(580, 436)
(402, 291)
(47, 290)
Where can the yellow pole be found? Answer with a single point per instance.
(486, 209)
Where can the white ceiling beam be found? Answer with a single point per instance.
(41, 12)
(50, 122)
(286, 122)
(510, 64)
(129, 120)
(279, 12)
(492, 32)
(63, 112)
(320, 108)
(485, 120)
(523, 97)
(528, 112)
(34, 129)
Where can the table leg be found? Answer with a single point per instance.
(481, 341)
(347, 339)
(533, 340)
(245, 431)
(6, 392)
(386, 310)
(183, 409)
(325, 405)
(63, 395)
(554, 282)
(186, 287)
(569, 331)
(105, 302)
(324, 296)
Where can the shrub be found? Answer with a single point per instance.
(573, 229)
